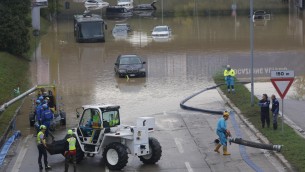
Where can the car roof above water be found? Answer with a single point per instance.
(128, 55)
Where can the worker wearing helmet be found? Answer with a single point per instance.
(70, 151)
(40, 98)
(38, 111)
(223, 133)
(41, 145)
(46, 116)
(229, 75)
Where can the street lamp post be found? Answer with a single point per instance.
(251, 51)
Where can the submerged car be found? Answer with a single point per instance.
(130, 65)
(161, 31)
(121, 29)
(128, 4)
(96, 3)
(113, 12)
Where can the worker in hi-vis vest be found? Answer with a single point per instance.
(229, 75)
(42, 146)
(70, 151)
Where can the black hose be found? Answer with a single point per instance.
(216, 112)
(240, 141)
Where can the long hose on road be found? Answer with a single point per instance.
(183, 106)
(242, 148)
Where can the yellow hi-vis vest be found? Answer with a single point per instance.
(72, 143)
(229, 72)
(113, 122)
(95, 121)
(39, 141)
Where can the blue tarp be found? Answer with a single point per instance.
(7, 146)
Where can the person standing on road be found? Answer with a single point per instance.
(38, 112)
(70, 152)
(264, 104)
(229, 75)
(47, 116)
(223, 133)
(42, 146)
(275, 110)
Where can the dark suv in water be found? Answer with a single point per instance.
(131, 65)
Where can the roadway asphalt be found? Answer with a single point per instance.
(187, 143)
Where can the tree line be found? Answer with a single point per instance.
(15, 19)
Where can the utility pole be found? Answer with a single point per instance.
(251, 51)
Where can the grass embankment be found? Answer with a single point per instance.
(294, 145)
(14, 72)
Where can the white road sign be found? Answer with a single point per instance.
(282, 74)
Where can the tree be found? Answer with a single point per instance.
(15, 23)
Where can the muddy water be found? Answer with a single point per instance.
(200, 46)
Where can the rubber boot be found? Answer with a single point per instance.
(225, 150)
(217, 148)
(48, 167)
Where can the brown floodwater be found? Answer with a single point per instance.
(200, 46)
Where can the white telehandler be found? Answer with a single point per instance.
(100, 130)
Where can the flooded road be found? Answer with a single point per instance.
(200, 46)
(177, 67)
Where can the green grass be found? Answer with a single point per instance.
(294, 145)
(14, 72)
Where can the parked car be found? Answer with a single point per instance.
(161, 31)
(130, 65)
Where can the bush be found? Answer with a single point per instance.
(15, 21)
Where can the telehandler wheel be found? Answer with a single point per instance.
(155, 150)
(115, 156)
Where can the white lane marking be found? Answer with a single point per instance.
(179, 145)
(188, 166)
(22, 153)
(106, 169)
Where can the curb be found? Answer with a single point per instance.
(252, 128)
(293, 125)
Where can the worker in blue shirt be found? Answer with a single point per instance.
(38, 112)
(275, 110)
(47, 116)
(264, 104)
(223, 133)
